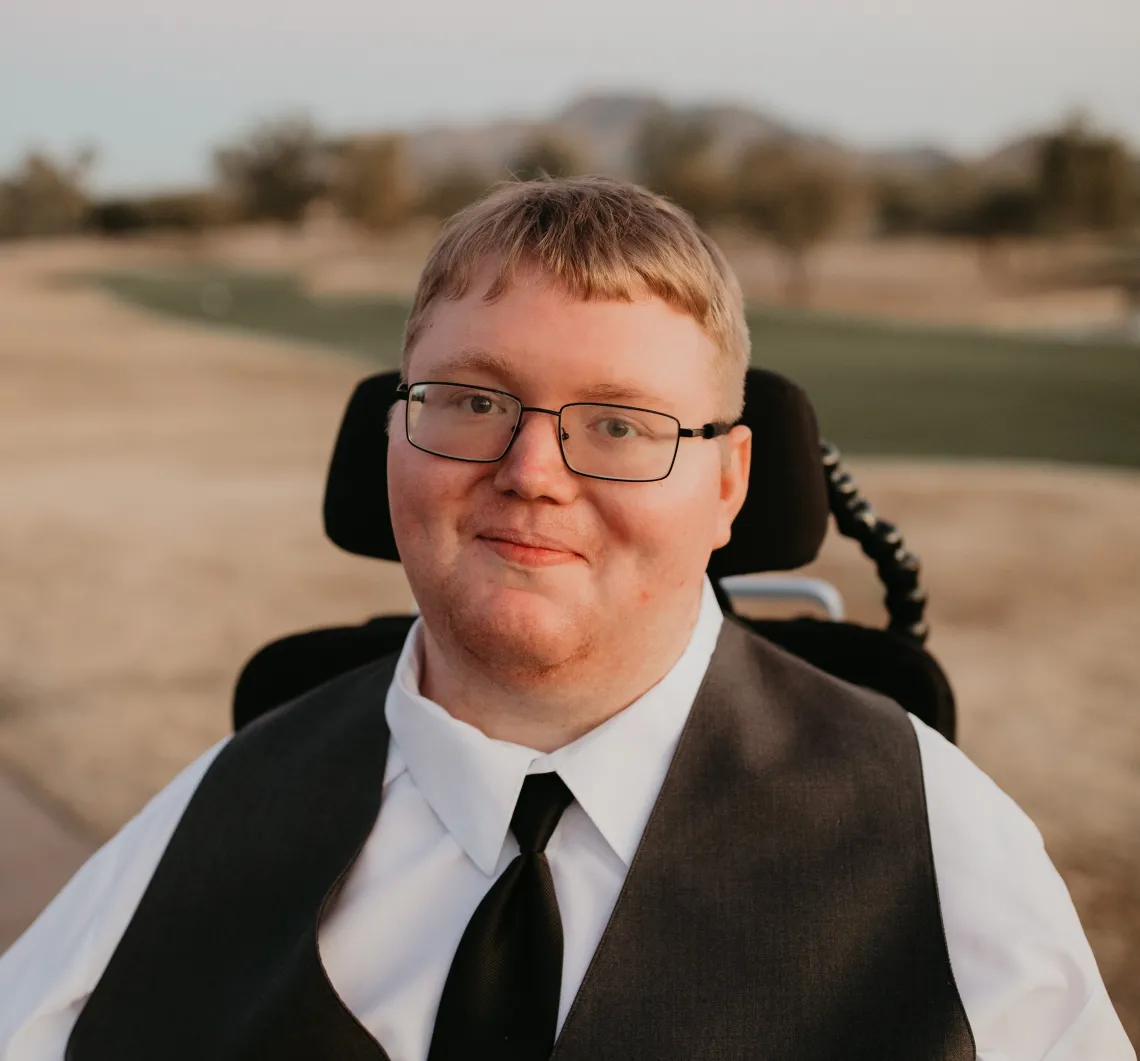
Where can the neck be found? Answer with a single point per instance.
(564, 702)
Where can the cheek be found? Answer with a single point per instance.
(664, 530)
(427, 496)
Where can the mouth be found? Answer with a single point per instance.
(529, 550)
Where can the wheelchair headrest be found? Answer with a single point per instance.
(780, 527)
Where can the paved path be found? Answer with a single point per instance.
(38, 854)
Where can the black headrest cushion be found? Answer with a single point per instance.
(780, 527)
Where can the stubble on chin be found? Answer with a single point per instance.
(509, 644)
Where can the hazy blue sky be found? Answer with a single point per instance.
(155, 84)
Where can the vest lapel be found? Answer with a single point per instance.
(782, 903)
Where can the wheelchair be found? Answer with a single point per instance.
(797, 485)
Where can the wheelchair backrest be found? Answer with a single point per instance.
(795, 482)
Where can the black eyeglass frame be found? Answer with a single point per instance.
(710, 430)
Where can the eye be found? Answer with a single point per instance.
(478, 403)
(616, 428)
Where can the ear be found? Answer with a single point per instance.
(735, 466)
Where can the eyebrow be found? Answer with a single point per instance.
(620, 392)
(476, 359)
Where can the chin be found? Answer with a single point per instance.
(515, 630)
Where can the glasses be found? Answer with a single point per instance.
(617, 442)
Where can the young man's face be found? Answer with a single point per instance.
(619, 562)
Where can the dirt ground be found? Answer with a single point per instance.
(160, 519)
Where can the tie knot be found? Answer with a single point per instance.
(541, 802)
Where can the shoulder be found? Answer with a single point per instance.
(1024, 969)
(989, 857)
(62, 955)
(967, 809)
(337, 694)
(826, 709)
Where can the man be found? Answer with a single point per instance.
(582, 814)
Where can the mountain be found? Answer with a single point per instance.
(486, 148)
(918, 160)
(602, 128)
(1014, 162)
(610, 124)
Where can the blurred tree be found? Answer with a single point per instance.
(1087, 182)
(44, 197)
(901, 205)
(117, 217)
(673, 155)
(372, 185)
(1001, 213)
(279, 169)
(190, 213)
(546, 155)
(998, 210)
(990, 214)
(793, 201)
(450, 192)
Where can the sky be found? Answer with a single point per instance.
(155, 86)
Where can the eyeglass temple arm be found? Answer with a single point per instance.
(708, 431)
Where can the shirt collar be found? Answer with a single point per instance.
(615, 771)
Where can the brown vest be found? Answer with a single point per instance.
(782, 904)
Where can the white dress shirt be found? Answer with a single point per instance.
(1025, 972)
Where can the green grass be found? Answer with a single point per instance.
(268, 303)
(878, 389)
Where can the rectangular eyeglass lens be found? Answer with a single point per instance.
(619, 443)
(460, 421)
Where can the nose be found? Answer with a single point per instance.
(533, 466)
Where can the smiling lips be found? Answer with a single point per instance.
(530, 550)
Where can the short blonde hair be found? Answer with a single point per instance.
(597, 238)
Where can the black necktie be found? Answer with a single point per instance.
(501, 995)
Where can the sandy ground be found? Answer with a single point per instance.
(159, 520)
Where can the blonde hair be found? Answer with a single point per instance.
(598, 239)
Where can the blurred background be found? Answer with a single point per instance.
(211, 222)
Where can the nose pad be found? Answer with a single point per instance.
(529, 417)
(532, 460)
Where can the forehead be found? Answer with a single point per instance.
(547, 345)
